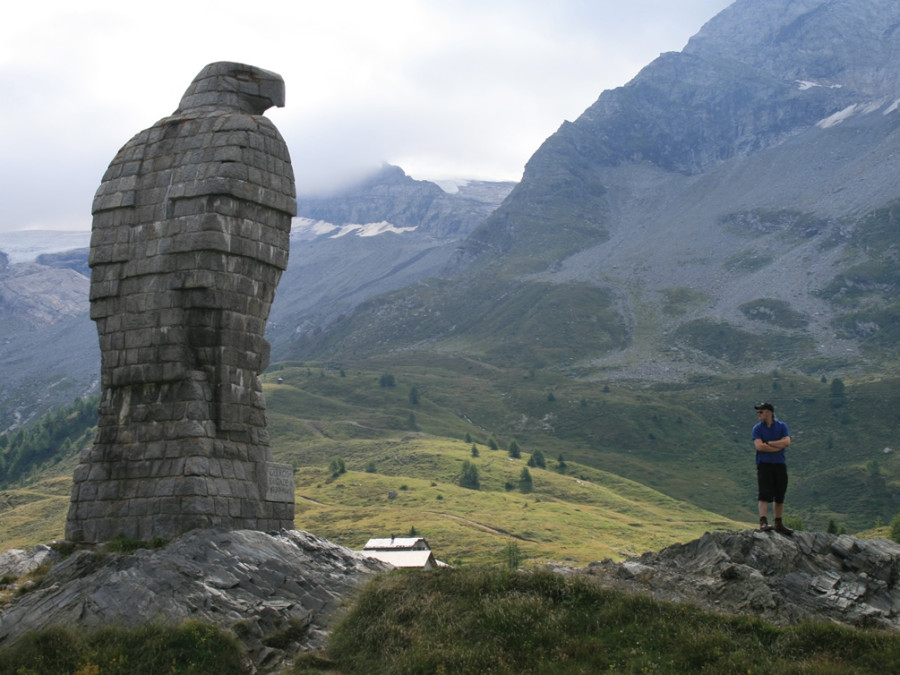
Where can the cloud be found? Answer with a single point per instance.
(456, 88)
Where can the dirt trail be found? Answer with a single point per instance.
(481, 526)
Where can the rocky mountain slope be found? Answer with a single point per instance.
(732, 208)
(381, 234)
(48, 344)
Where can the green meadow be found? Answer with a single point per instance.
(622, 468)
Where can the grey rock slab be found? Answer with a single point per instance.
(810, 576)
(18, 562)
(251, 583)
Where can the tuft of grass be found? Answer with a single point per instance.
(493, 620)
(122, 544)
(192, 648)
(33, 579)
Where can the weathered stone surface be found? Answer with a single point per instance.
(812, 575)
(18, 562)
(253, 584)
(190, 237)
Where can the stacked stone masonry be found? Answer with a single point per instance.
(190, 238)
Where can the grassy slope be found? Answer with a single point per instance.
(579, 515)
(34, 514)
(645, 466)
(488, 620)
(691, 442)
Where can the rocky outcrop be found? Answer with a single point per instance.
(35, 297)
(278, 592)
(275, 592)
(17, 562)
(785, 580)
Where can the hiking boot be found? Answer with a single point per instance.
(764, 525)
(781, 529)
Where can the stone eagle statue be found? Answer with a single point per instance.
(190, 236)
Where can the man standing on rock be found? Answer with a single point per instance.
(771, 437)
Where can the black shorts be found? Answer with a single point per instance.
(772, 480)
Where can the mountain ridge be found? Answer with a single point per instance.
(734, 174)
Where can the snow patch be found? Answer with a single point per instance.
(451, 185)
(839, 116)
(866, 109)
(307, 228)
(803, 85)
(370, 229)
(856, 109)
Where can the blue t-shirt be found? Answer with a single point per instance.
(776, 432)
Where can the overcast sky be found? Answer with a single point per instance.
(441, 88)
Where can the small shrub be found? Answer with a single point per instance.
(33, 579)
(469, 478)
(514, 451)
(64, 548)
(537, 460)
(895, 528)
(289, 635)
(337, 467)
(794, 523)
(525, 482)
(513, 556)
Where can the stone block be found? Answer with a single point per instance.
(223, 487)
(107, 491)
(278, 485)
(197, 466)
(191, 486)
(197, 505)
